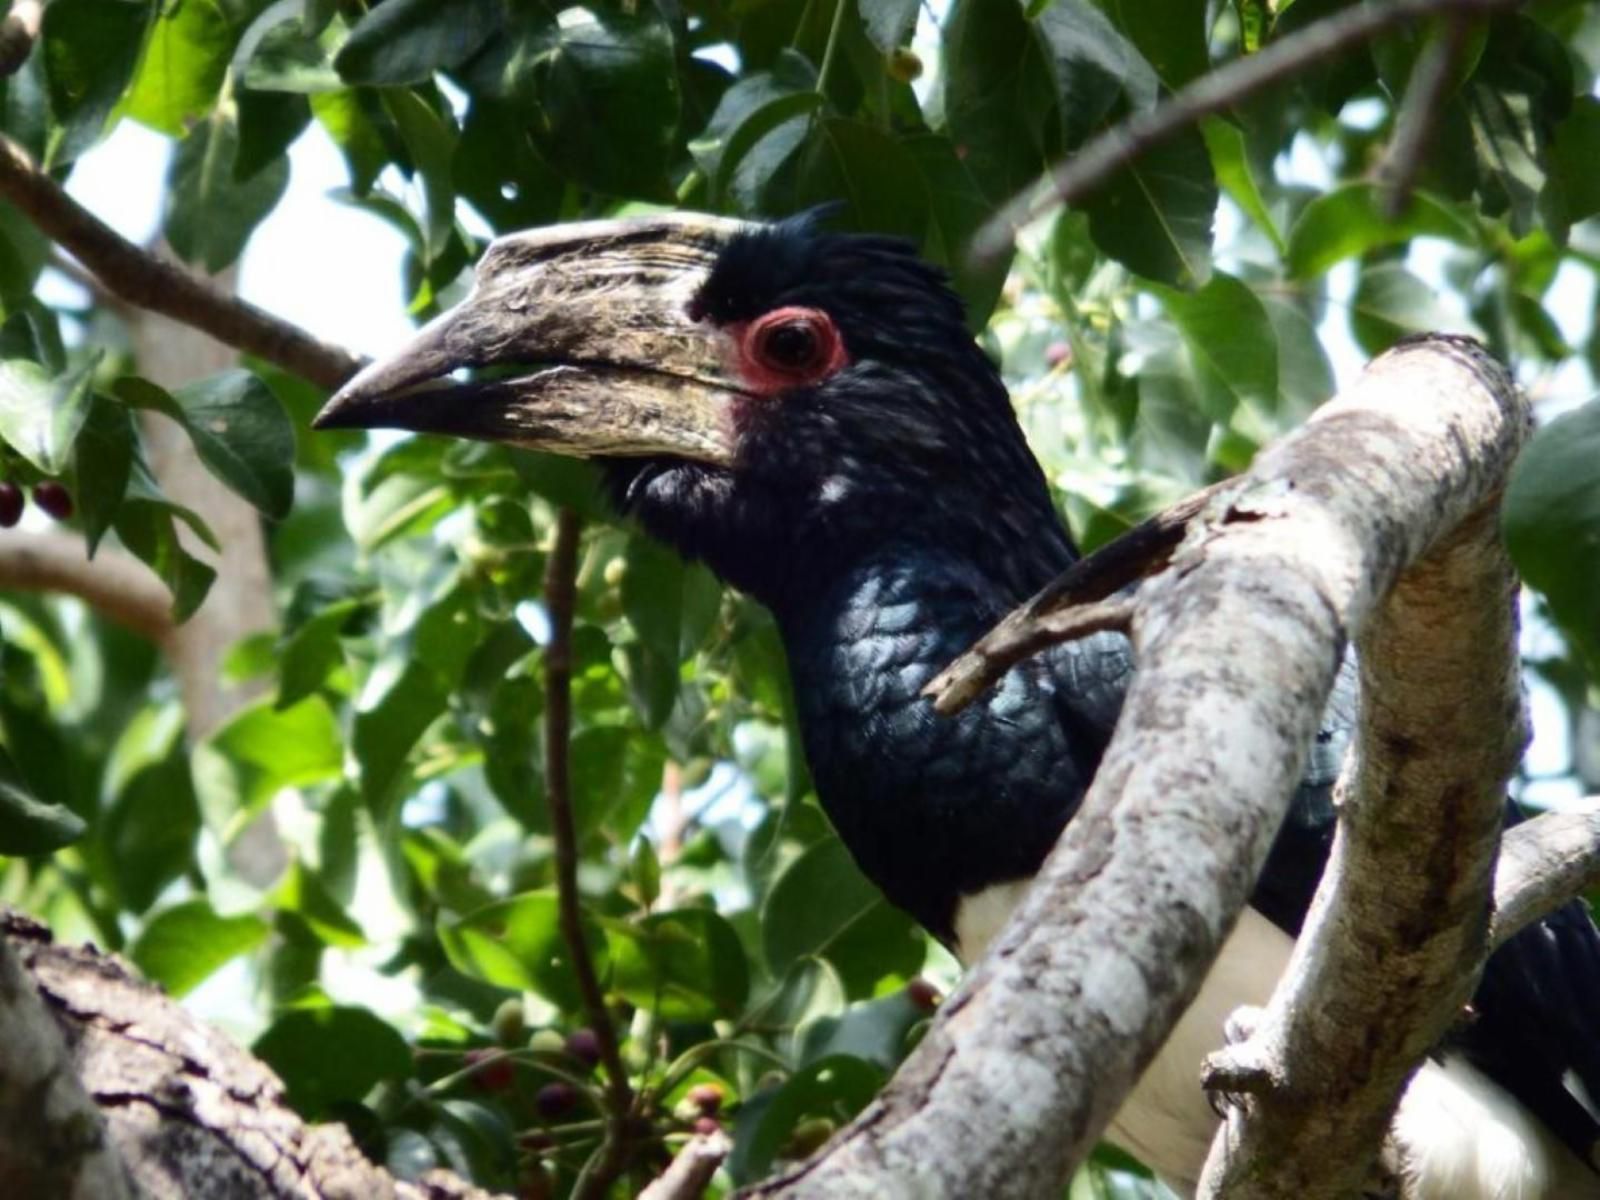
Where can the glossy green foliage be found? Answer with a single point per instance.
(399, 955)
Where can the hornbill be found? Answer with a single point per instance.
(807, 412)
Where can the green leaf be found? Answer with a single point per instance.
(29, 825)
(278, 53)
(1390, 303)
(686, 965)
(351, 119)
(999, 95)
(1231, 343)
(1225, 143)
(432, 142)
(210, 213)
(1551, 518)
(822, 906)
(1170, 36)
(182, 946)
(1351, 221)
(874, 176)
(185, 60)
(305, 899)
(835, 1089)
(875, 1030)
(102, 466)
(40, 414)
(1154, 216)
(90, 48)
(239, 429)
(146, 526)
(312, 651)
(601, 89)
(1574, 155)
(331, 1053)
(261, 751)
(406, 41)
(517, 943)
(269, 123)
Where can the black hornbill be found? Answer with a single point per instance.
(806, 412)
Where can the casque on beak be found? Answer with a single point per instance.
(588, 330)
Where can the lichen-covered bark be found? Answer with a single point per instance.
(1238, 642)
(186, 1113)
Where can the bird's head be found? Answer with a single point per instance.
(758, 395)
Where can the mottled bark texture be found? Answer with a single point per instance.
(1238, 642)
(183, 1112)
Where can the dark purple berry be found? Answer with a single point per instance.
(11, 502)
(584, 1045)
(54, 499)
(556, 1100)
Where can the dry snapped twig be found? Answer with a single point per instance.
(560, 585)
(1104, 155)
(1076, 603)
(159, 285)
(692, 1169)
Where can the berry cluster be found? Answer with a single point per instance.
(51, 497)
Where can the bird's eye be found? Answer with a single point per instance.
(790, 346)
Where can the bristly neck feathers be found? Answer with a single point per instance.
(887, 516)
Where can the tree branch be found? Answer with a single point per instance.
(116, 585)
(1238, 644)
(691, 1171)
(149, 282)
(1544, 862)
(187, 1112)
(1107, 153)
(53, 1139)
(1396, 938)
(18, 31)
(560, 584)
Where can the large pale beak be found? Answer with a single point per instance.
(587, 330)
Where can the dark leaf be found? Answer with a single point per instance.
(326, 1053)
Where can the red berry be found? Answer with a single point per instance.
(556, 1100)
(54, 499)
(584, 1045)
(707, 1097)
(706, 1125)
(923, 994)
(1057, 353)
(496, 1074)
(11, 502)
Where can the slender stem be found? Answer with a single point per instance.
(560, 588)
(830, 51)
(1425, 97)
(1106, 154)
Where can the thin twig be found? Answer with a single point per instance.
(1088, 584)
(1419, 116)
(1103, 156)
(560, 587)
(1544, 862)
(691, 1172)
(149, 282)
(18, 32)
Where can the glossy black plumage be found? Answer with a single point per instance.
(892, 513)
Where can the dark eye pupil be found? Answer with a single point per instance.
(793, 345)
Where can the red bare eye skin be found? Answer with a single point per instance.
(787, 348)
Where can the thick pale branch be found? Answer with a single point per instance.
(1104, 155)
(114, 584)
(1397, 935)
(1544, 862)
(52, 1138)
(156, 284)
(1238, 643)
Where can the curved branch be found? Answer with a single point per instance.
(1107, 153)
(1544, 862)
(116, 585)
(149, 282)
(1238, 644)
